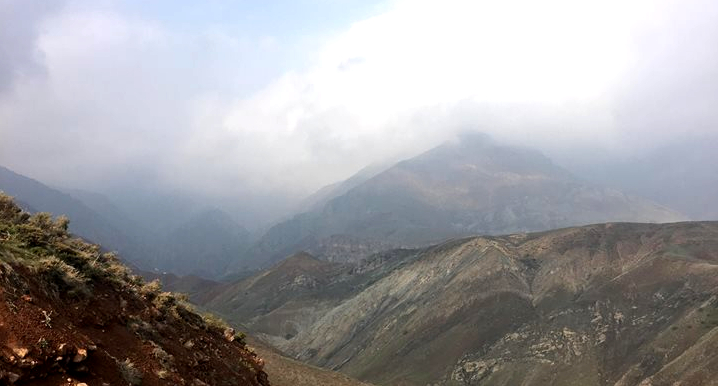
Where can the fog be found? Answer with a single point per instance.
(254, 107)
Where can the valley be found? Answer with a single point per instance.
(358, 193)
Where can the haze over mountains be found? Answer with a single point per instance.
(468, 186)
(681, 175)
(471, 185)
(195, 241)
(36, 197)
(379, 192)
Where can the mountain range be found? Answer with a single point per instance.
(606, 304)
(474, 263)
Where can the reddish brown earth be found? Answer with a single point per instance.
(99, 325)
(82, 322)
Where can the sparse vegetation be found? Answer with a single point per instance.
(162, 374)
(166, 360)
(44, 245)
(129, 372)
(213, 321)
(43, 343)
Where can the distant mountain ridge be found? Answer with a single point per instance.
(86, 222)
(203, 243)
(469, 186)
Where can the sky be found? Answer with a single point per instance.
(275, 99)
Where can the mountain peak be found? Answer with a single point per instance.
(470, 186)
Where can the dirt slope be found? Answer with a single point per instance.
(70, 315)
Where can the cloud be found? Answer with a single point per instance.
(18, 55)
(552, 74)
(216, 111)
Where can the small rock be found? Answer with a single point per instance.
(27, 364)
(229, 334)
(26, 298)
(80, 356)
(189, 344)
(83, 384)
(20, 352)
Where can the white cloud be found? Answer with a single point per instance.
(122, 90)
(403, 80)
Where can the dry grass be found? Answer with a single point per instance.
(129, 372)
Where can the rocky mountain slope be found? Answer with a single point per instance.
(72, 315)
(608, 304)
(471, 186)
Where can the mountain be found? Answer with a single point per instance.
(204, 245)
(72, 315)
(607, 304)
(469, 186)
(317, 200)
(87, 223)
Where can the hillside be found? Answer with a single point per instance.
(471, 186)
(34, 196)
(608, 304)
(72, 315)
